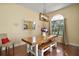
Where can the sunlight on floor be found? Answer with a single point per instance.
(59, 52)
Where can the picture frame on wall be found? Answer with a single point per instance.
(43, 17)
(29, 25)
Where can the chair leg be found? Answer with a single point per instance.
(6, 51)
(13, 49)
(0, 50)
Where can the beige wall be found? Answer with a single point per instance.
(11, 21)
(12, 16)
(71, 14)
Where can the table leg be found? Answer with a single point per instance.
(42, 53)
(36, 49)
(56, 44)
(51, 48)
(28, 48)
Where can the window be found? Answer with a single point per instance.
(57, 25)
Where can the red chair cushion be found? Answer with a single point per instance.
(5, 40)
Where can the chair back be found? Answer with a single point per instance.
(3, 38)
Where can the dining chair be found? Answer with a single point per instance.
(5, 43)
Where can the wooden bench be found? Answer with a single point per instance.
(48, 45)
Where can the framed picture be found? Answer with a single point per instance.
(27, 24)
(43, 17)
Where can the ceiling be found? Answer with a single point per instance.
(47, 7)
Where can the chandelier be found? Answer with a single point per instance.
(42, 15)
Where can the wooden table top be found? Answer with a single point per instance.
(39, 40)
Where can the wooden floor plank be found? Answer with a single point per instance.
(61, 50)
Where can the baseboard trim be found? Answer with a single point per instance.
(73, 44)
(19, 44)
(3, 48)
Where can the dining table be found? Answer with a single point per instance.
(35, 42)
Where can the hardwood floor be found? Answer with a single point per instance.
(61, 50)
